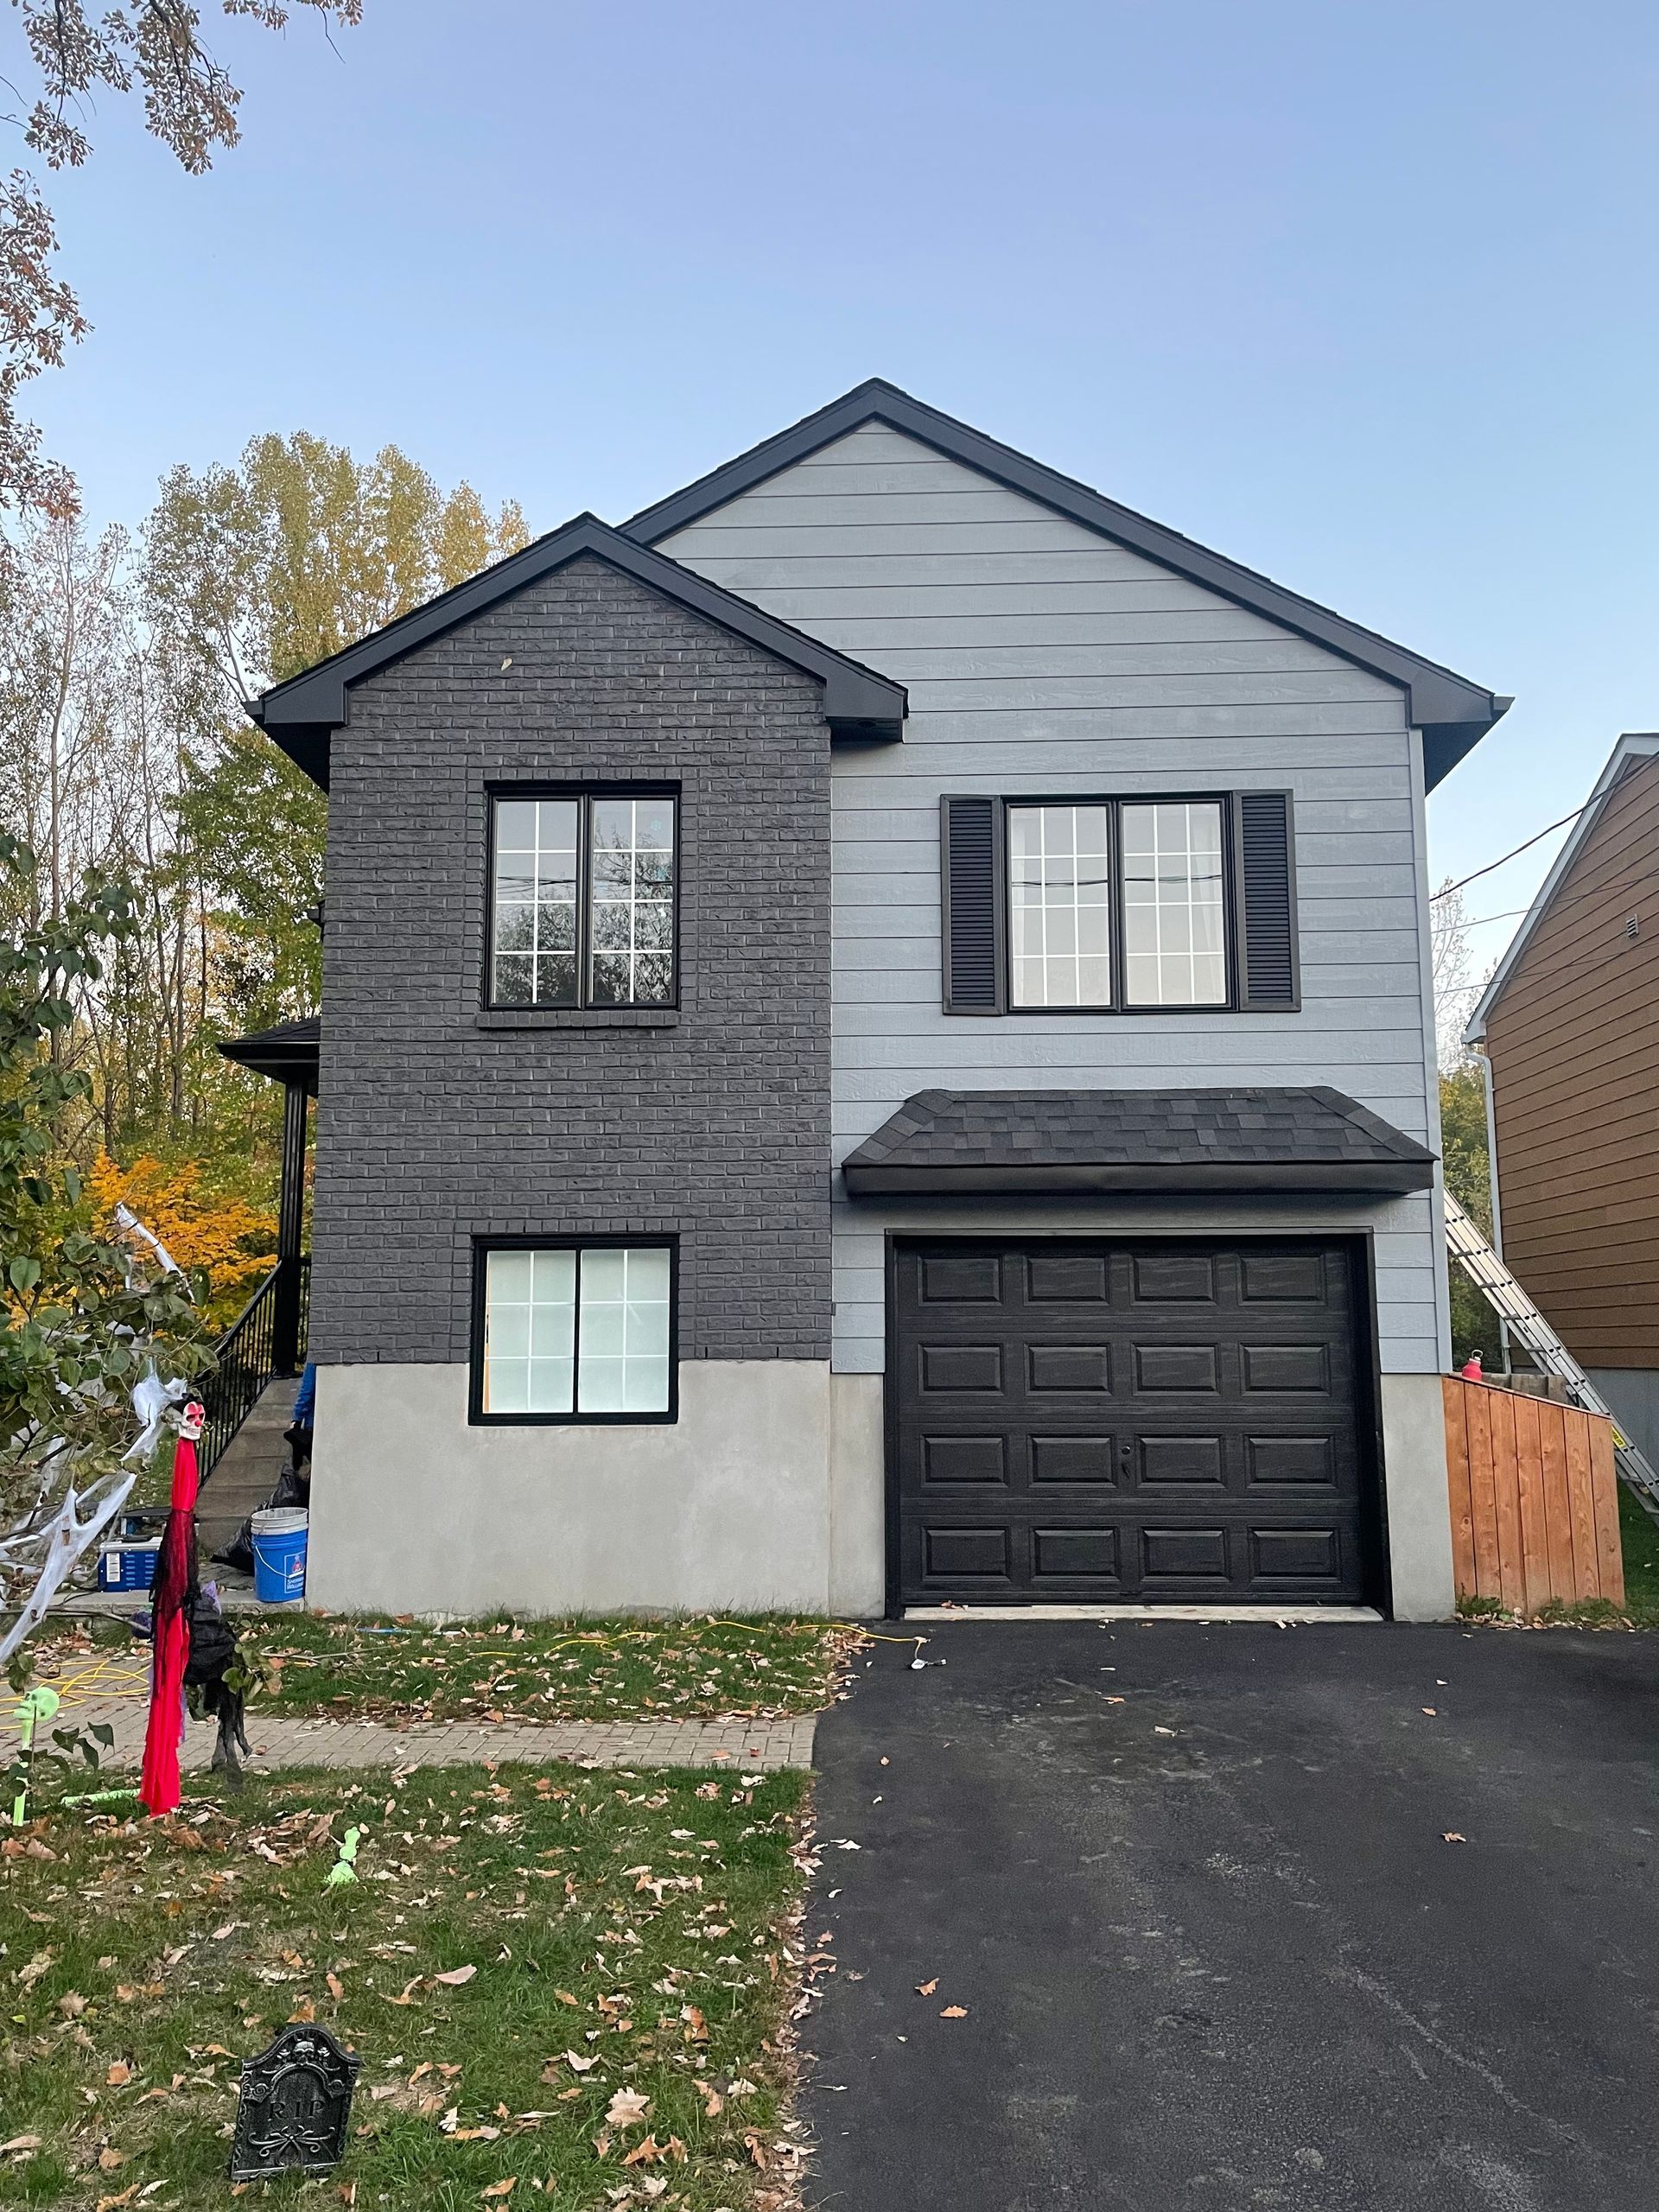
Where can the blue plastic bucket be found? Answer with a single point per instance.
(279, 1541)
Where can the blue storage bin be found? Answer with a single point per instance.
(127, 1567)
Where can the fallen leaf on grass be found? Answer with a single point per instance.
(108, 2158)
(626, 2108)
(455, 1976)
(336, 1986)
(73, 2005)
(21, 2142)
(406, 1996)
(118, 2075)
(305, 2010)
(501, 2188)
(696, 2026)
(927, 1988)
(647, 2153)
(108, 2204)
(578, 2064)
(954, 2012)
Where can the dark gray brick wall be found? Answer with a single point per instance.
(435, 1125)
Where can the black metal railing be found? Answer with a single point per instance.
(266, 1340)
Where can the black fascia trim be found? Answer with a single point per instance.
(300, 714)
(1453, 714)
(483, 1245)
(1353, 1178)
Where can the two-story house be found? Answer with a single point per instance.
(876, 1048)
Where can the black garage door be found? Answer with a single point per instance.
(1145, 1421)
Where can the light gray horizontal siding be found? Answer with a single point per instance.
(1041, 658)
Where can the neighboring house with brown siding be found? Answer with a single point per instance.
(1570, 1028)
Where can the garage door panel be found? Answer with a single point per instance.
(1298, 1555)
(1184, 1368)
(947, 1369)
(966, 1555)
(1067, 1278)
(1182, 1463)
(1173, 1279)
(1061, 1459)
(964, 1460)
(1174, 1420)
(1072, 1555)
(1068, 1367)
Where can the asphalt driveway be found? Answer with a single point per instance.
(1192, 1886)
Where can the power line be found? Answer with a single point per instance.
(1446, 891)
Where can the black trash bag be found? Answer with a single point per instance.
(292, 1488)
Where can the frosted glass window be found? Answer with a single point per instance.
(1060, 906)
(576, 1332)
(1174, 905)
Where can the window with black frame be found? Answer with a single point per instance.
(583, 899)
(574, 1330)
(1117, 897)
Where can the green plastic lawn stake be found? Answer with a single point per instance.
(38, 1705)
(344, 1869)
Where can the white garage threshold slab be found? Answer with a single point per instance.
(1262, 1616)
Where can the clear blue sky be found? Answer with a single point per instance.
(1361, 292)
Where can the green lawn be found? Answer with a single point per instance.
(685, 1667)
(621, 1969)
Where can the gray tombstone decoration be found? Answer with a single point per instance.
(296, 2101)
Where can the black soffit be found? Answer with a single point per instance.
(1452, 713)
(1034, 1142)
(301, 714)
(285, 1054)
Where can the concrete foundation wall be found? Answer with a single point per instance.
(1418, 1511)
(765, 1493)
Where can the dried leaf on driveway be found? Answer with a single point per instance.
(954, 2012)
(1451, 1835)
(927, 1988)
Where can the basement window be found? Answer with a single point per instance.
(572, 1331)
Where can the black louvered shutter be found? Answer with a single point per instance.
(1269, 976)
(972, 965)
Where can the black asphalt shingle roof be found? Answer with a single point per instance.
(1311, 1139)
(286, 1053)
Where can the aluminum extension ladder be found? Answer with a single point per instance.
(1528, 1327)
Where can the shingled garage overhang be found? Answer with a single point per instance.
(302, 714)
(1029, 1143)
(1452, 714)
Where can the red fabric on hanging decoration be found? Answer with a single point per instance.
(171, 1597)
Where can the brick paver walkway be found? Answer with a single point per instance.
(757, 1746)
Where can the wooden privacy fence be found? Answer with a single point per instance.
(1535, 1498)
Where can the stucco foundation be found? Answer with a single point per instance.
(413, 1510)
(1418, 1499)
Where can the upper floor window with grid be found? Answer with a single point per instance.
(1117, 903)
(583, 899)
